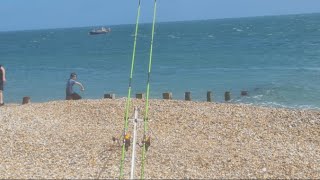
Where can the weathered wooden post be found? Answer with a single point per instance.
(187, 96)
(209, 96)
(244, 93)
(140, 95)
(110, 96)
(227, 96)
(167, 95)
(26, 100)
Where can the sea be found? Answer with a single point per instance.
(276, 59)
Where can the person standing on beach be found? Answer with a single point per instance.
(70, 94)
(2, 81)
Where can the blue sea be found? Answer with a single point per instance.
(275, 58)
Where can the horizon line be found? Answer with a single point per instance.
(121, 24)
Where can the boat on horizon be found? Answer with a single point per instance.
(103, 30)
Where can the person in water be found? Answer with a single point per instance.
(70, 94)
(2, 82)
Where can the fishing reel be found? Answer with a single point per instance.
(146, 141)
(127, 141)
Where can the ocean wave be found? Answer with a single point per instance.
(237, 29)
(278, 105)
(173, 36)
(257, 97)
(139, 35)
(277, 68)
(277, 97)
(311, 68)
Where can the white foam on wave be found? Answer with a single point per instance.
(139, 35)
(278, 105)
(237, 29)
(312, 68)
(257, 96)
(277, 68)
(259, 100)
(173, 36)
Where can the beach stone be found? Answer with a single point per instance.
(83, 140)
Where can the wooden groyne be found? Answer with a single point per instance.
(187, 96)
(165, 95)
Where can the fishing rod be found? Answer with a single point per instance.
(146, 140)
(129, 94)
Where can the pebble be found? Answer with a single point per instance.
(76, 140)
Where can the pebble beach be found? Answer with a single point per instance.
(81, 140)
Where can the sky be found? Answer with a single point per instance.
(47, 14)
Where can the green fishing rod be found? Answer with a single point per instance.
(145, 119)
(129, 94)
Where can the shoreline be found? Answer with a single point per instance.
(73, 139)
(263, 105)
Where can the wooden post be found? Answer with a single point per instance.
(187, 96)
(209, 96)
(227, 96)
(140, 95)
(167, 95)
(26, 100)
(244, 93)
(110, 96)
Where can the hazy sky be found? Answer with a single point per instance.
(39, 14)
